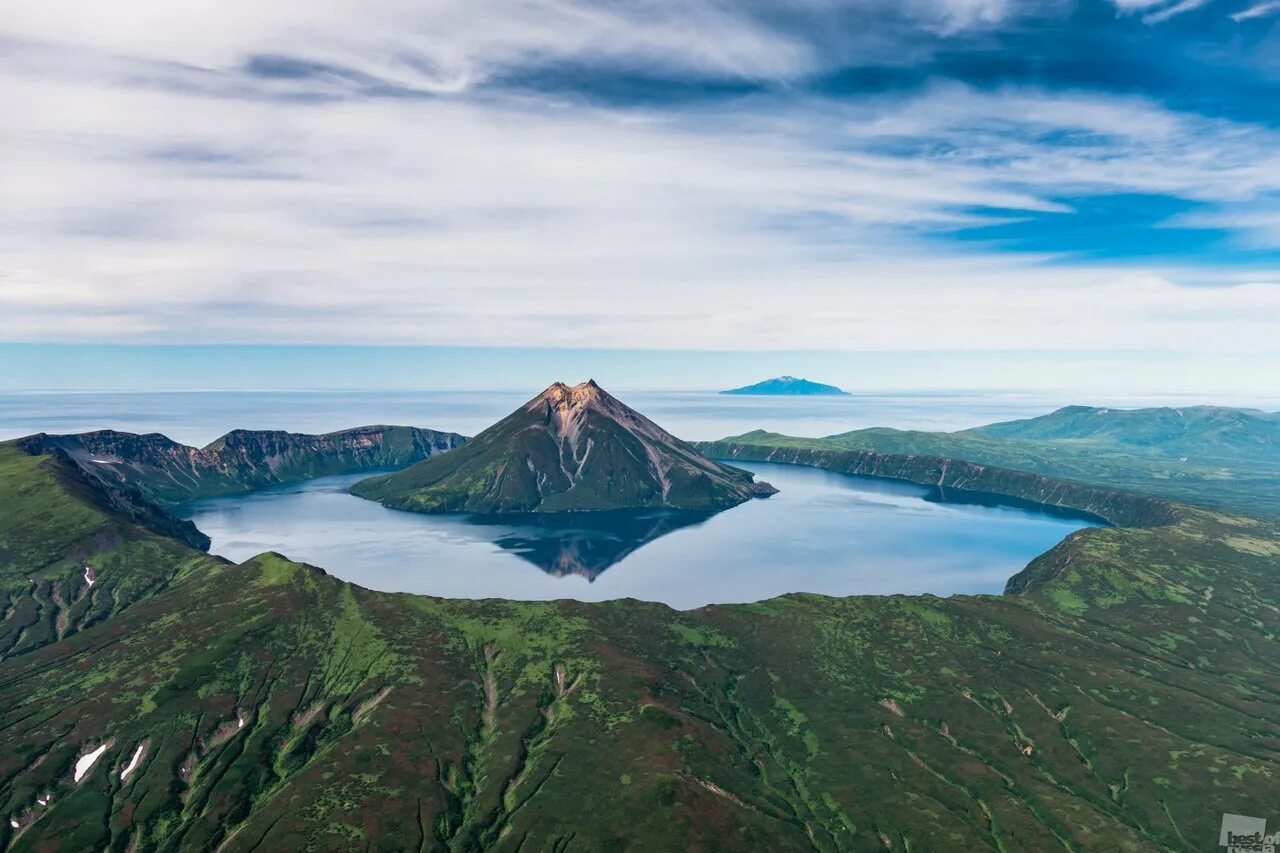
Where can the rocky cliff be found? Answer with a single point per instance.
(242, 460)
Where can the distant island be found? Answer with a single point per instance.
(789, 386)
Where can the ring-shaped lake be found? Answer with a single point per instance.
(828, 533)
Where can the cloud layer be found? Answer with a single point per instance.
(717, 175)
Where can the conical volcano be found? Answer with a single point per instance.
(569, 449)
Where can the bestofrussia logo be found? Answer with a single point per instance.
(1241, 834)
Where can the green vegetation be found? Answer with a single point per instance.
(951, 476)
(1121, 695)
(1218, 457)
(59, 531)
(568, 449)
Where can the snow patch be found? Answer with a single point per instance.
(88, 576)
(85, 762)
(43, 799)
(133, 762)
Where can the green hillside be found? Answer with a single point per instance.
(1227, 458)
(1206, 432)
(568, 449)
(1122, 695)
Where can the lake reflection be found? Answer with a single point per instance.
(826, 533)
(582, 543)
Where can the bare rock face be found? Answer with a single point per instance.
(571, 448)
(167, 472)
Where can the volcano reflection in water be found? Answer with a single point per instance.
(825, 533)
(581, 543)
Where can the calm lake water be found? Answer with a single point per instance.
(827, 533)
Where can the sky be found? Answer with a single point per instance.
(928, 193)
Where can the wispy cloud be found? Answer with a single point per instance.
(1261, 10)
(1173, 11)
(1158, 11)
(1130, 7)
(448, 45)
(321, 172)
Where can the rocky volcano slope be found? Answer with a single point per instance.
(568, 449)
(242, 460)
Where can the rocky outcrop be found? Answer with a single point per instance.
(168, 473)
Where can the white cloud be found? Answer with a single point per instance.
(210, 208)
(1162, 15)
(1158, 11)
(1255, 226)
(449, 45)
(1131, 6)
(1260, 10)
(429, 44)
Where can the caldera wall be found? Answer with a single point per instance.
(1123, 509)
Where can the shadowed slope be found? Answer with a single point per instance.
(242, 460)
(74, 552)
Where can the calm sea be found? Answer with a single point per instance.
(198, 417)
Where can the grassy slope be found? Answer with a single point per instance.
(1123, 699)
(1123, 508)
(1220, 469)
(52, 525)
(1205, 431)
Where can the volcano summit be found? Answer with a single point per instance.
(569, 449)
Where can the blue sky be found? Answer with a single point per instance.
(997, 184)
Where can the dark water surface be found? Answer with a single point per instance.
(827, 533)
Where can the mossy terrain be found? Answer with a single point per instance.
(1121, 695)
(957, 477)
(1211, 456)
